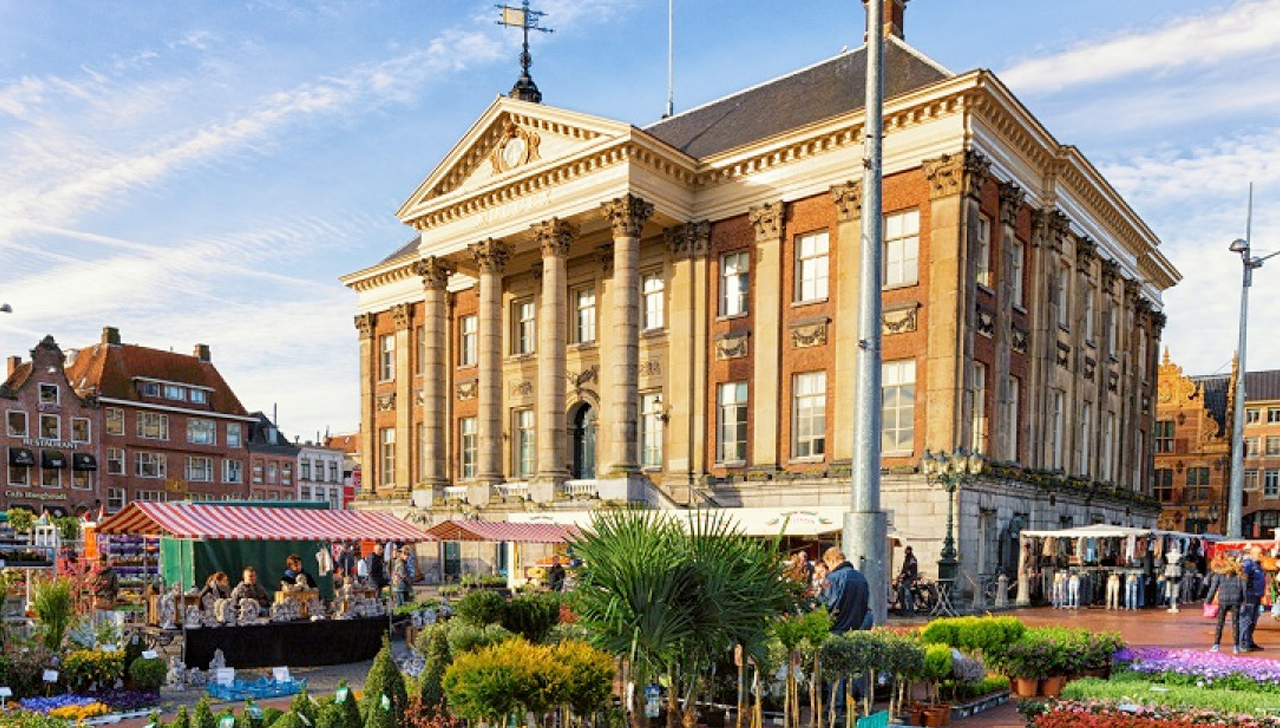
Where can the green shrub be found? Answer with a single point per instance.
(434, 646)
(481, 608)
(270, 716)
(937, 662)
(304, 706)
(21, 519)
(467, 637)
(203, 716)
(384, 679)
(149, 674)
(54, 608)
(182, 720)
(501, 680)
(290, 720)
(588, 677)
(532, 616)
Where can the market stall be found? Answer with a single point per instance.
(198, 539)
(1120, 567)
(509, 535)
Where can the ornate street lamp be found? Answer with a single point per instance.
(950, 470)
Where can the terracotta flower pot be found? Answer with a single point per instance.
(1025, 687)
(1051, 687)
(936, 716)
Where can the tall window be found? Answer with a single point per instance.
(735, 282)
(232, 471)
(811, 266)
(1089, 315)
(1086, 437)
(115, 461)
(304, 469)
(651, 430)
(1011, 419)
(199, 469)
(584, 316)
(1140, 458)
(1273, 446)
(1273, 414)
(901, 248)
(468, 345)
(1197, 484)
(1113, 331)
(653, 290)
(1108, 465)
(898, 385)
(982, 254)
(1057, 428)
(50, 427)
(525, 444)
(731, 403)
(1164, 435)
(1163, 485)
(1271, 483)
(202, 432)
(809, 415)
(470, 435)
(387, 362)
(525, 337)
(16, 423)
(149, 464)
(1252, 415)
(115, 499)
(82, 479)
(19, 475)
(273, 473)
(1250, 480)
(388, 443)
(420, 358)
(50, 478)
(978, 427)
(1252, 447)
(1017, 263)
(420, 439)
(233, 434)
(1063, 297)
(80, 429)
(153, 426)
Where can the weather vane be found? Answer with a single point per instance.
(527, 20)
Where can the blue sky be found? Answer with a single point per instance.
(203, 171)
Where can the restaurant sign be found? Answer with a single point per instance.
(38, 495)
(64, 444)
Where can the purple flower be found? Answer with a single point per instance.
(1209, 666)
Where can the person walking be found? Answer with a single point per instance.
(1227, 585)
(401, 586)
(907, 577)
(1255, 584)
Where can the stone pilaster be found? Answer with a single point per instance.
(435, 274)
(685, 394)
(769, 221)
(491, 256)
(554, 237)
(406, 452)
(1012, 200)
(627, 216)
(848, 240)
(365, 324)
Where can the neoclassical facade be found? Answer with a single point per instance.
(593, 312)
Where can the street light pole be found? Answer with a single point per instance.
(950, 470)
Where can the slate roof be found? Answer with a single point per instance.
(1258, 387)
(15, 381)
(404, 251)
(827, 89)
(265, 437)
(108, 370)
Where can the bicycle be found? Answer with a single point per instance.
(924, 596)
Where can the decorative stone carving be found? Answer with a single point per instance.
(579, 379)
(554, 236)
(386, 402)
(1064, 355)
(1086, 252)
(1158, 320)
(813, 333)
(1049, 228)
(627, 215)
(194, 617)
(1090, 367)
(490, 254)
(419, 397)
(688, 241)
(767, 219)
(1113, 381)
(176, 677)
(1012, 198)
(650, 368)
(604, 256)
(1018, 340)
(364, 324)
(402, 314)
(218, 662)
(986, 322)
(535, 271)
(522, 388)
(1131, 288)
(435, 273)
(249, 610)
(848, 200)
(731, 347)
(1110, 273)
(468, 390)
(953, 174)
(900, 320)
(516, 146)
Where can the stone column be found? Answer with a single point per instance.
(627, 216)
(491, 256)
(1011, 201)
(848, 200)
(406, 452)
(554, 237)
(435, 274)
(766, 336)
(685, 394)
(365, 323)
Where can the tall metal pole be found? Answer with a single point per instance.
(671, 55)
(1235, 502)
(865, 529)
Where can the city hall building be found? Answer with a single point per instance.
(593, 313)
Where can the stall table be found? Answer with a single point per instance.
(295, 644)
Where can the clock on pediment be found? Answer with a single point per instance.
(515, 147)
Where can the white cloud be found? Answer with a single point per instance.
(1214, 37)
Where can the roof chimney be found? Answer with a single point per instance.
(893, 14)
(111, 335)
(202, 352)
(14, 363)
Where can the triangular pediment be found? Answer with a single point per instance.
(511, 138)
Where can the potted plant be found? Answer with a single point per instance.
(937, 667)
(1026, 662)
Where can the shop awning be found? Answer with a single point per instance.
(256, 523)
(83, 461)
(498, 531)
(52, 459)
(21, 457)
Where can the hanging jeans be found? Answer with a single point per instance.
(1073, 591)
(1059, 591)
(1113, 591)
(1132, 594)
(1248, 622)
(1235, 624)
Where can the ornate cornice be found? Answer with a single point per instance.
(627, 215)
(848, 199)
(688, 241)
(554, 237)
(767, 220)
(435, 273)
(1012, 199)
(365, 323)
(953, 174)
(490, 254)
(1131, 291)
(402, 314)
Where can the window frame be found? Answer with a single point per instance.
(143, 458)
(229, 465)
(210, 428)
(117, 460)
(982, 256)
(1018, 256)
(524, 448)
(584, 329)
(468, 340)
(88, 430)
(897, 433)
(652, 430)
(653, 301)
(809, 416)
(193, 471)
(113, 420)
(901, 249)
(387, 456)
(812, 268)
(732, 413)
(386, 358)
(158, 422)
(524, 321)
(469, 447)
(26, 423)
(735, 284)
(47, 417)
(49, 387)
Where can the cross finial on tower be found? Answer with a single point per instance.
(525, 19)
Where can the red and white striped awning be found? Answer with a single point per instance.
(503, 531)
(258, 523)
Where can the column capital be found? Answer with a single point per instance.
(1086, 252)
(688, 241)
(490, 254)
(554, 236)
(767, 219)
(848, 199)
(1132, 290)
(1110, 274)
(1012, 198)
(435, 273)
(402, 314)
(627, 215)
(604, 256)
(365, 324)
(1049, 228)
(953, 174)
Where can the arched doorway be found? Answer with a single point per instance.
(583, 436)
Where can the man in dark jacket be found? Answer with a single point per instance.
(1255, 584)
(847, 593)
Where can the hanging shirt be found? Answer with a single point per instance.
(324, 562)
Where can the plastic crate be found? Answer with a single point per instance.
(263, 687)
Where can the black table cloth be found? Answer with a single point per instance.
(291, 644)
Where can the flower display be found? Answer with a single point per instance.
(80, 712)
(1211, 668)
(48, 705)
(1068, 714)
